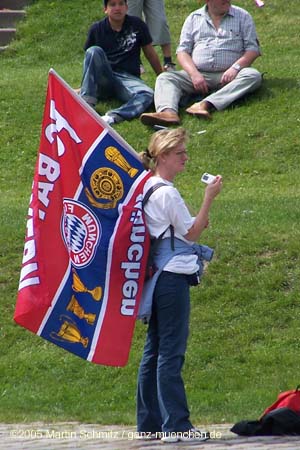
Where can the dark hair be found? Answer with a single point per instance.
(106, 2)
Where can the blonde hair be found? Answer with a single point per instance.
(162, 142)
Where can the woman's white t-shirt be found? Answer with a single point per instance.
(164, 207)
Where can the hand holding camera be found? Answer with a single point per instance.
(214, 184)
(207, 178)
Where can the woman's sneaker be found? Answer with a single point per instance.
(192, 435)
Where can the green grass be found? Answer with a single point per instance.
(244, 345)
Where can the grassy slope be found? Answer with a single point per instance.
(244, 341)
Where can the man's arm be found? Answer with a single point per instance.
(247, 59)
(244, 61)
(91, 39)
(186, 62)
(252, 50)
(153, 58)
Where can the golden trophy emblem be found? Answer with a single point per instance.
(107, 188)
(78, 286)
(75, 307)
(114, 155)
(69, 332)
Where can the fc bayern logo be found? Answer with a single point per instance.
(81, 232)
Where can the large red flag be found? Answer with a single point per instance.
(86, 242)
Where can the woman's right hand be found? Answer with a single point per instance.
(202, 220)
(214, 188)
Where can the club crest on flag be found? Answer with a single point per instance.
(86, 242)
(81, 232)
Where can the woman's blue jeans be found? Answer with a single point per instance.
(100, 82)
(161, 398)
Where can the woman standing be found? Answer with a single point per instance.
(162, 410)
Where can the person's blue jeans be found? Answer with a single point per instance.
(100, 82)
(161, 398)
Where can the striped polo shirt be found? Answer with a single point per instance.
(215, 50)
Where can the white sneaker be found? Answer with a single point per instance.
(108, 119)
(170, 67)
(192, 435)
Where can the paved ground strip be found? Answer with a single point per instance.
(60, 436)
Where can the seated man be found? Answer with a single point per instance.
(218, 44)
(112, 62)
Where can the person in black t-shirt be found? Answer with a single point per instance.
(112, 62)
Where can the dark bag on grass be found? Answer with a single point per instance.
(281, 421)
(282, 417)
